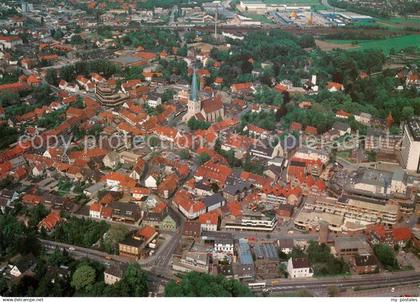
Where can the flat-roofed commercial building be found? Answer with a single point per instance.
(107, 96)
(345, 213)
(251, 221)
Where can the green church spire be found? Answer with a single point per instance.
(194, 87)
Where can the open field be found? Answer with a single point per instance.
(327, 45)
(386, 45)
(398, 22)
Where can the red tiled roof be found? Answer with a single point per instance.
(280, 87)
(50, 221)
(160, 207)
(311, 130)
(13, 86)
(296, 126)
(9, 38)
(214, 172)
(234, 208)
(32, 199)
(335, 85)
(95, 207)
(241, 86)
(146, 232)
(209, 218)
(106, 212)
(145, 55)
(342, 113)
(124, 180)
(401, 234)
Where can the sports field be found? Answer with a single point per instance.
(386, 45)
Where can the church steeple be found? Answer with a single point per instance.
(194, 87)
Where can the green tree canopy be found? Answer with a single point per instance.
(204, 285)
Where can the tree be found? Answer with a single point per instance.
(195, 124)
(184, 154)
(386, 256)
(407, 113)
(57, 34)
(37, 214)
(8, 98)
(204, 285)
(203, 157)
(116, 234)
(133, 283)
(51, 77)
(83, 278)
(167, 95)
(76, 39)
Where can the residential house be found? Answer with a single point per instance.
(299, 268)
(50, 222)
(23, 265)
(125, 211)
(209, 221)
(365, 264)
(114, 273)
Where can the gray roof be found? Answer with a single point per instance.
(213, 199)
(117, 270)
(349, 243)
(266, 251)
(341, 126)
(237, 187)
(286, 243)
(245, 256)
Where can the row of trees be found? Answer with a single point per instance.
(79, 231)
(69, 72)
(321, 259)
(85, 278)
(153, 39)
(204, 285)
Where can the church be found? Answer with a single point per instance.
(210, 110)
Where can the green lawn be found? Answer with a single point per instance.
(386, 45)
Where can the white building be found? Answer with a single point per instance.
(256, 6)
(251, 221)
(299, 268)
(223, 245)
(154, 101)
(410, 149)
(150, 182)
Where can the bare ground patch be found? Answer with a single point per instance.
(327, 46)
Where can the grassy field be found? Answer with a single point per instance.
(386, 45)
(293, 2)
(399, 22)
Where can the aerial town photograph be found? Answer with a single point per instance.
(197, 148)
